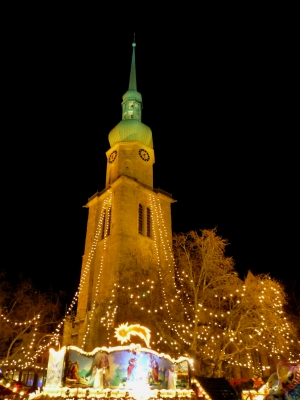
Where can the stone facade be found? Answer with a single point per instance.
(128, 241)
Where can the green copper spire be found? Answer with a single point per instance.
(131, 127)
(132, 79)
(132, 99)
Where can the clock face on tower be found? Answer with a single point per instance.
(112, 157)
(144, 155)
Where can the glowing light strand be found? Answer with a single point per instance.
(106, 207)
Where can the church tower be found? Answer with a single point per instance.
(127, 270)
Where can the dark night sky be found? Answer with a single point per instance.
(219, 98)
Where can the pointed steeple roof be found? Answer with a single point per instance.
(131, 126)
(132, 79)
(132, 92)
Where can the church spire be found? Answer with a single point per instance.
(132, 79)
(131, 127)
(132, 99)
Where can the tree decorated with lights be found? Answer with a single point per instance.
(229, 318)
(27, 318)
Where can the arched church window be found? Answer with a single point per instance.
(148, 222)
(106, 221)
(140, 219)
(103, 223)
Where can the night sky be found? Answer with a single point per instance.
(219, 96)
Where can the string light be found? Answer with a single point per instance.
(102, 220)
(216, 321)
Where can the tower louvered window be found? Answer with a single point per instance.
(140, 219)
(103, 223)
(148, 222)
(108, 221)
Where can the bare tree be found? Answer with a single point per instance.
(26, 316)
(225, 317)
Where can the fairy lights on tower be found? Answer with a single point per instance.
(129, 274)
(128, 267)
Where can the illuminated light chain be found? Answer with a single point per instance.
(81, 284)
(171, 256)
(106, 206)
(183, 339)
(108, 318)
(277, 304)
(166, 244)
(93, 247)
(31, 345)
(183, 292)
(154, 207)
(25, 353)
(8, 321)
(109, 324)
(53, 341)
(90, 317)
(42, 348)
(157, 217)
(111, 311)
(259, 332)
(174, 266)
